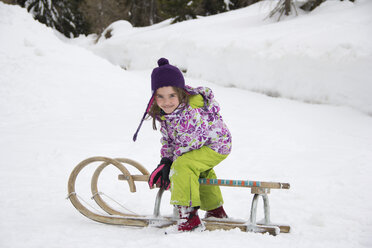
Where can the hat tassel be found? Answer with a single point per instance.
(143, 118)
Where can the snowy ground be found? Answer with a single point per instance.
(60, 103)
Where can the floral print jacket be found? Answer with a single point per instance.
(194, 125)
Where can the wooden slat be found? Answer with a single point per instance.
(137, 178)
(221, 182)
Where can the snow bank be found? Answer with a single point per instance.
(321, 57)
(29, 53)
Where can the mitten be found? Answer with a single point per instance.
(161, 174)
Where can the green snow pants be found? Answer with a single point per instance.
(184, 176)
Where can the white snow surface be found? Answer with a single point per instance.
(61, 103)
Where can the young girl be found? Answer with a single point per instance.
(194, 140)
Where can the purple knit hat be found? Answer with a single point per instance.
(162, 76)
(166, 75)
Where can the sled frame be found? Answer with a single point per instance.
(258, 189)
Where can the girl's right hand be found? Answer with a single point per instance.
(160, 176)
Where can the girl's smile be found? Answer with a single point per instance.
(167, 99)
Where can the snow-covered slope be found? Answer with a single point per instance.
(321, 57)
(60, 104)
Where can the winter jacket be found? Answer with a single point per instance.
(194, 125)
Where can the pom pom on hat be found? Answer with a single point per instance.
(163, 61)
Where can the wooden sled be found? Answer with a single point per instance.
(258, 189)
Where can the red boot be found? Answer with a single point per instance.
(216, 213)
(189, 219)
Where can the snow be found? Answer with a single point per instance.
(247, 50)
(61, 103)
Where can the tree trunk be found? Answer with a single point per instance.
(287, 6)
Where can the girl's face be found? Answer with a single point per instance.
(167, 99)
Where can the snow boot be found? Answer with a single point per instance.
(189, 219)
(216, 213)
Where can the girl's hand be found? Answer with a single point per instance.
(160, 176)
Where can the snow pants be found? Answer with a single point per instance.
(184, 178)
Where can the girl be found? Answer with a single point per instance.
(194, 140)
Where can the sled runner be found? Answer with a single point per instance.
(258, 189)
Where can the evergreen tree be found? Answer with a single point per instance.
(237, 4)
(58, 14)
(212, 7)
(180, 10)
(310, 5)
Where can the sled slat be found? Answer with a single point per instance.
(221, 182)
(138, 178)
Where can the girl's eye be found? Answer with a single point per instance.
(159, 96)
(173, 95)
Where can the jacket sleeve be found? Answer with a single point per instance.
(166, 150)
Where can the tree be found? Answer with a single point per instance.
(237, 4)
(58, 14)
(283, 7)
(310, 5)
(212, 7)
(143, 13)
(180, 10)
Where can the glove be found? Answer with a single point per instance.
(161, 174)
